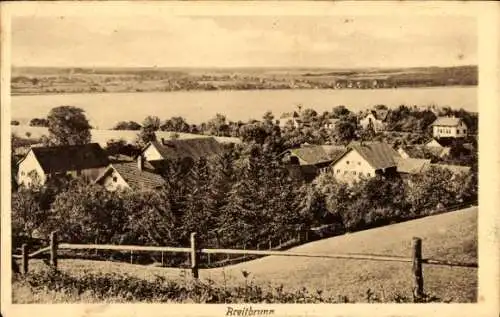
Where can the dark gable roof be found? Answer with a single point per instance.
(412, 165)
(194, 148)
(447, 121)
(377, 154)
(134, 177)
(311, 154)
(54, 159)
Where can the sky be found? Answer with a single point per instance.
(244, 41)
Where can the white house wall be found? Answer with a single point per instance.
(114, 181)
(30, 163)
(352, 166)
(378, 125)
(152, 154)
(450, 131)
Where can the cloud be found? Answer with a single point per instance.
(242, 41)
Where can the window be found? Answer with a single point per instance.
(115, 179)
(345, 172)
(354, 172)
(338, 171)
(359, 163)
(360, 173)
(347, 162)
(368, 174)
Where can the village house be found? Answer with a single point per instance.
(135, 175)
(43, 162)
(365, 160)
(292, 119)
(181, 149)
(307, 161)
(330, 123)
(376, 119)
(450, 127)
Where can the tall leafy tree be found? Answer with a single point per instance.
(68, 125)
(150, 125)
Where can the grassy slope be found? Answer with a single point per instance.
(451, 236)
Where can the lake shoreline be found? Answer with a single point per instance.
(14, 94)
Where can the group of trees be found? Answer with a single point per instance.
(379, 201)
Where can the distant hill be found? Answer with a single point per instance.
(44, 80)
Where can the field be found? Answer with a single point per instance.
(103, 136)
(32, 80)
(450, 236)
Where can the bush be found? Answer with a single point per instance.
(115, 287)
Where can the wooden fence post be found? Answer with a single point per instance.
(162, 262)
(53, 249)
(418, 278)
(194, 255)
(25, 258)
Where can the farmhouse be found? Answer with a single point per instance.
(292, 119)
(135, 175)
(376, 119)
(307, 161)
(42, 162)
(451, 127)
(365, 160)
(184, 149)
(330, 123)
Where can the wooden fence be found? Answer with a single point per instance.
(194, 254)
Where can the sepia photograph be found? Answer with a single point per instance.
(227, 154)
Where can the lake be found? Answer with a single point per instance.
(104, 110)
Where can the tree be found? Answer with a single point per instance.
(124, 125)
(218, 125)
(345, 131)
(340, 111)
(175, 124)
(268, 117)
(88, 214)
(115, 147)
(150, 125)
(39, 122)
(68, 125)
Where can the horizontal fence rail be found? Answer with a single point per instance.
(69, 246)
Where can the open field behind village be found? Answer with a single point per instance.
(103, 136)
(449, 236)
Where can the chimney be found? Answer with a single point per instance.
(140, 162)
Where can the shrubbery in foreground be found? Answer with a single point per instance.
(118, 288)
